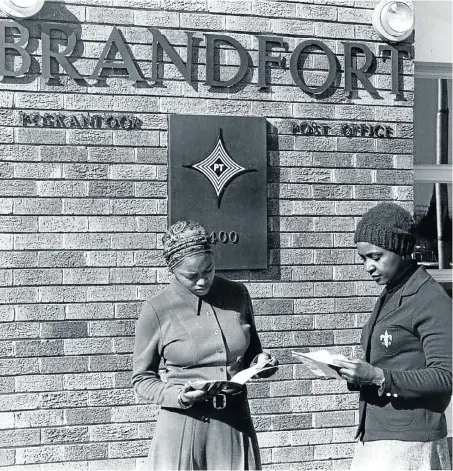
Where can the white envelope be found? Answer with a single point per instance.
(320, 363)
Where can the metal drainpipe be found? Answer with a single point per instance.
(441, 158)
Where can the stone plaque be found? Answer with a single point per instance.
(217, 176)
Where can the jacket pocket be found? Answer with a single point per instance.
(401, 418)
(391, 417)
(388, 340)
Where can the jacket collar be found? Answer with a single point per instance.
(191, 299)
(412, 285)
(409, 288)
(213, 297)
(408, 269)
(416, 281)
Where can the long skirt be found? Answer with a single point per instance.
(389, 455)
(203, 437)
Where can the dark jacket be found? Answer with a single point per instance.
(410, 339)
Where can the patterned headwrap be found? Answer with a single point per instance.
(183, 239)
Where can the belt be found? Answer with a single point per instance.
(228, 408)
(218, 402)
(221, 400)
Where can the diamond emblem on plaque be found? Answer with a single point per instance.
(219, 168)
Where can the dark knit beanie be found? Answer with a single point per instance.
(388, 226)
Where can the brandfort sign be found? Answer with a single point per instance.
(14, 38)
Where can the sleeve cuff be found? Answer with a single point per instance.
(171, 398)
(381, 387)
(386, 385)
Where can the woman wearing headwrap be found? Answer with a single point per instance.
(405, 377)
(201, 326)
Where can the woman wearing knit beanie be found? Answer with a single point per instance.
(404, 378)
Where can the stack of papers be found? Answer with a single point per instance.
(320, 363)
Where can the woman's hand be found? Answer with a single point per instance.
(357, 371)
(190, 396)
(268, 360)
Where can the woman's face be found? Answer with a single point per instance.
(196, 273)
(380, 263)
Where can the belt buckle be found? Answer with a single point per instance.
(219, 401)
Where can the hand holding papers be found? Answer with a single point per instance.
(321, 363)
(237, 381)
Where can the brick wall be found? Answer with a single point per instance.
(82, 213)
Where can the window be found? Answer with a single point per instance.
(433, 170)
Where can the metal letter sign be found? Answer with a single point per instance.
(217, 176)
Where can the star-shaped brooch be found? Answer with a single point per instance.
(219, 168)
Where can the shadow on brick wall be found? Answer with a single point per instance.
(316, 78)
(160, 74)
(219, 76)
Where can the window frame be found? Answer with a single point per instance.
(441, 173)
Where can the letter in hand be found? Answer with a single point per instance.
(189, 395)
(358, 372)
(265, 360)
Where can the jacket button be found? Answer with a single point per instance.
(395, 395)
(205, 419)
(388, 394)
(221, 369)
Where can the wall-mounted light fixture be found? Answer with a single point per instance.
(393, 20)
(21, 8)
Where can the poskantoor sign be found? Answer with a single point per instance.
(14, 41)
